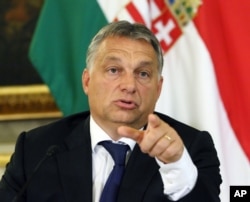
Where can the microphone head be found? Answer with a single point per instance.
(52, 150)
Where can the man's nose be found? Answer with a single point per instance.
(128, 83)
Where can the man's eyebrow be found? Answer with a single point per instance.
(112, 58)
(145, 64)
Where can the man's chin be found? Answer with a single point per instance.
(128, 119)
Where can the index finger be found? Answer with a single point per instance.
(131, 133)
(153, 121)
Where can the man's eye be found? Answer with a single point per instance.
(113, 71)
(144, 75)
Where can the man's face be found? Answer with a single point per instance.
(123, 83)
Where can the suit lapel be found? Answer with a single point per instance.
(139, 171)
(75, 167)
(77, 180)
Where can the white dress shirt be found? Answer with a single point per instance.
(178, 178)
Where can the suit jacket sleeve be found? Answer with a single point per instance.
(204, 156)
(202, 151)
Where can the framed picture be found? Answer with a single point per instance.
(23, 94)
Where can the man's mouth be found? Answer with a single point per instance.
(126, 104)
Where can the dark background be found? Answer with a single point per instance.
(17, 24)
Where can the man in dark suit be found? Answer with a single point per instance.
(166, 161)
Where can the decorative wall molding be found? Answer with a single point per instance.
(27, 102)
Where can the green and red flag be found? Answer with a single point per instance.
(205, 45)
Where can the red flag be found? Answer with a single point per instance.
(224, 28)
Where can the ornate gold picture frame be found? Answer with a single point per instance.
(27, 102)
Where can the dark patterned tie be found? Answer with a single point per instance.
(118, 153)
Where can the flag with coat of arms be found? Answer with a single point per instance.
(205, 45)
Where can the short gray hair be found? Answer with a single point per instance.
(124, 29)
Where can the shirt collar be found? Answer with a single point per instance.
(98, 135)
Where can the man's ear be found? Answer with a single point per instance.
(85, 80)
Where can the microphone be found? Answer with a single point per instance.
(52, 150)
